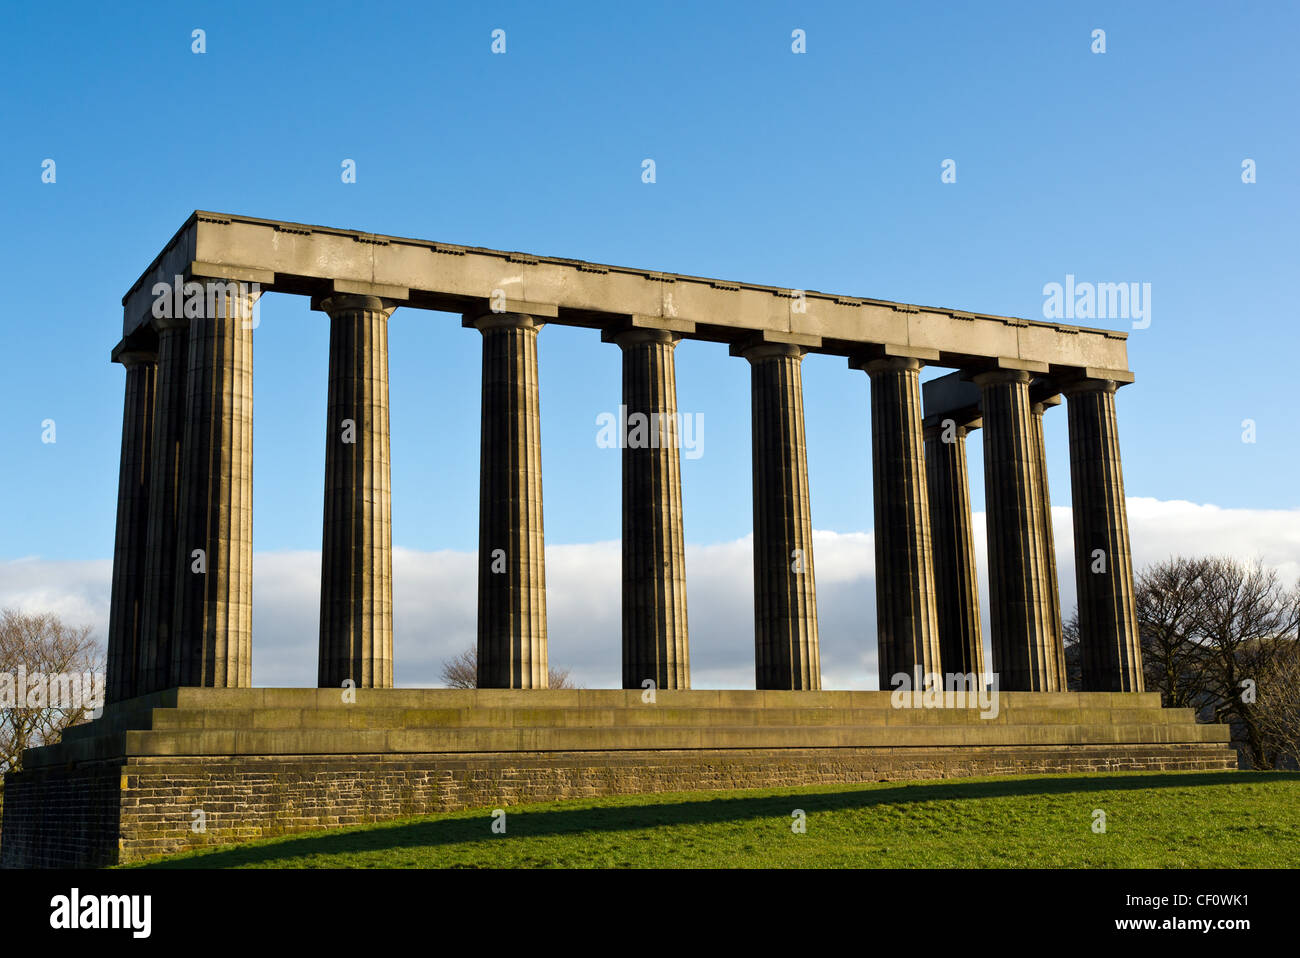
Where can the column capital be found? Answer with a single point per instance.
(1089, 385)
(487, 321)
(993, 377)
(769, 344)
(343, 302)
(891, 358)
(135, 350)
(1039, 406)
(641, 335)
(933, 428)
(135, 357)
(759, 352)
(888, 364)
(164, 323)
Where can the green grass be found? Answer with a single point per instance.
(1189, 820)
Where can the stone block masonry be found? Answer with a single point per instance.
(129, 811)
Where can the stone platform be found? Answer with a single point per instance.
(262, 762)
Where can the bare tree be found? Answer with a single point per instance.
(1169, 596)
(1245, 622)
(1218, 636)
(46, 667)
(560, 679)
(461, 672)
(1277, 706)
(1073, 653)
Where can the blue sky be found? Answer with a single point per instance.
(817, 171)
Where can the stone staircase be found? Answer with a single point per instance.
(282, 722)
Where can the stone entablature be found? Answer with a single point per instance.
(317, 261)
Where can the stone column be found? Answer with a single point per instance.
(512, 564)
(961, 646)
(1049, 541)
(356, 592)
(131, 544)
(655, 643)
(154, 662)
(1024, 656)
(785, 593)
(1108, 633)
(906, 619)
(213, 616)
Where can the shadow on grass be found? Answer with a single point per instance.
(569, 821)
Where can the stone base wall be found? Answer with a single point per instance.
(139, 808)
(62, 818)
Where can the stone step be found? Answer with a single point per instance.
(359, 717)
(396, 709)
(880, 712)
(206, 698)
(336, 741)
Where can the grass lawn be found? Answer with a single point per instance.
(1190, 820)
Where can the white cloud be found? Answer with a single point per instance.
(434, 596)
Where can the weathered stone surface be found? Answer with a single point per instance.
(212, 618)
(655, 643)
(296, 258)
(511, 558)
(1024, 655)
(1103, 560)
(1053, 598)
(957, 594)
(163, 552)
(356, 606)
(126, 609)
(907, 629)
(786, 652)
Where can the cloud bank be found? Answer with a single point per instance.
(435, 604)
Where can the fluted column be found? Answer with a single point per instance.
(961, 646)
(511, 561)
(356, 596)
(1103, 562)
(906, 619)
(785, 593)
(213, 639)
(154, 651)
(131, 543)
(654, 549)
(1049, 541)
(1023, 653)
